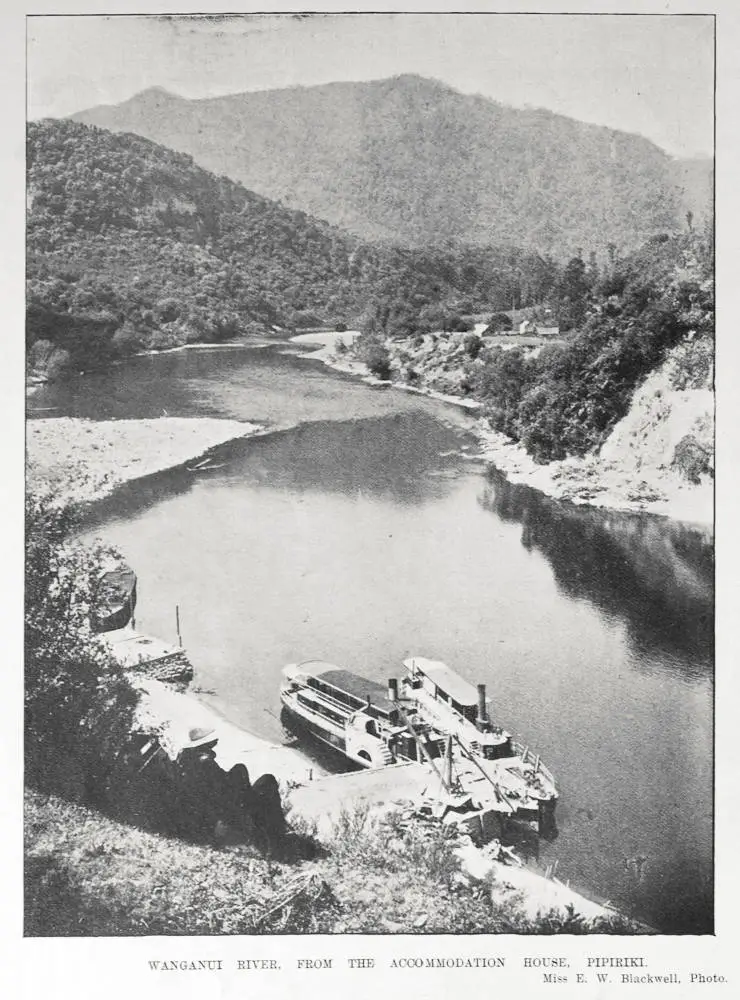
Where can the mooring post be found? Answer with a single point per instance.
(448, 763)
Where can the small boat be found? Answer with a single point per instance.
(206, 466)
(114, 599)
(445, 700)
(358, 717)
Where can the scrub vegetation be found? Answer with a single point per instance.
(79, 705)
(88, 875)
(562, 396)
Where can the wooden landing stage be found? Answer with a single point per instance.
(134, 649)
(138, 652)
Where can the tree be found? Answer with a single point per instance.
(573, 291)
(78, 703)
(472, 345)
(375, 355)
(499, 321)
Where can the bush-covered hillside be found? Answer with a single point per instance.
(130, 246)
(566, 399)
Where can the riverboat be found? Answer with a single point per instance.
(445, 700)
(434, 717)
(114, 599)
(356, 716)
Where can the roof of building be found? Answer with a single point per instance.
(445, 678)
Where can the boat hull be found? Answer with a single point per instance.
(358, 746)
(300, 722)
(114, 601)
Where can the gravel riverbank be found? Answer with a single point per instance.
(85, 460)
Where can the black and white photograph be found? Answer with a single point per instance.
(369, 483)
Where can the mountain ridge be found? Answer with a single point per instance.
(413, 161)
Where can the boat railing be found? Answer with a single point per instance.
(335, 703)
(520, 750)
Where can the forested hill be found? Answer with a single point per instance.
(131, 244)
(415, 162)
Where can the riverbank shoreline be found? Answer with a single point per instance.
(326, 353)
(319, 798)
(86, 460)
(591, 481)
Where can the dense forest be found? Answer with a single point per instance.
(417, 163)
(131, 246)
(566, 399)
(563, 398)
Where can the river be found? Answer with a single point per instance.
(361, 530)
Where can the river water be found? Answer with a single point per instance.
(361, 530)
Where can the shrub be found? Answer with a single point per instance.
(78, 704)
(693, 364)
(692, 459)
(499, 321)
(457, 324)
(375, 355)
(164, 338)
(472, 344)
(168, 310)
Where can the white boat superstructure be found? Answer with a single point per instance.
(455, 707)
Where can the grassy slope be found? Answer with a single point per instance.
(88, 875)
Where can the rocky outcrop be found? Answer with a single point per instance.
(669, 428)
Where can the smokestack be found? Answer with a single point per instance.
(482, 714)
(392, 689)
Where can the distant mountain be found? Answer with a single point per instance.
(414, 162)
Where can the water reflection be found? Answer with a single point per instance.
(655, 575)
(407, 458)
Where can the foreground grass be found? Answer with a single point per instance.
(88, 875)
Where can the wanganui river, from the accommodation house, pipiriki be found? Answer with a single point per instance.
(362, 531)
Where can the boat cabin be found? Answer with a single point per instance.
(445, 686)
(350, 692)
